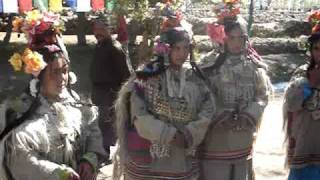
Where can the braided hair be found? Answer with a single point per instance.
(48, 56)
(158, 66)
(312, 40)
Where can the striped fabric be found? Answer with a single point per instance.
(143, 172)
(226, 155)
(25, 5)
(302, 160)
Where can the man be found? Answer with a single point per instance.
(241, 86)
(108, 71)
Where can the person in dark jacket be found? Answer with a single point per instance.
(108, 71)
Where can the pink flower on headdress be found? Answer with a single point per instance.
(161, 48)
(50, 17)
(216, 33)
(52, 48)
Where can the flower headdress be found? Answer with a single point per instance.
(228, 9)
(314, 20)
(35, 23)
(167, 38)
(42, 31)
(171, 16)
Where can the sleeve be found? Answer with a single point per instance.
(198, 128)
(147, 125)
(27, 162)
(293, 98)
(263, 89)
(94, 144)
(121, 65)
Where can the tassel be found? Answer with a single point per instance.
(10, 6)
(97, 5)
(55, 5)
(25, 5)
(41, 4)
(122, 30)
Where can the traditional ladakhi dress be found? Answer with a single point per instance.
(160, 106)
(242, 86)
(302, 122)
(57, 136)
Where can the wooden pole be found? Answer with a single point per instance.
(250, 21)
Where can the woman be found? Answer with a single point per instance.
(301, 117)
(56, 137)
(163, 113)
(241, 87)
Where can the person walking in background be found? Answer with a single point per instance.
(108, 71)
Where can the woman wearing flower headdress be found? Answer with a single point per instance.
(301, 112)
(162, 115)
(53, 135)
(239, 82)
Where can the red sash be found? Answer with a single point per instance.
(138, 147)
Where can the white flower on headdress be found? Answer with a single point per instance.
(72, 77)
(33, 87)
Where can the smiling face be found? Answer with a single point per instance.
(179, 53)
(55, 78)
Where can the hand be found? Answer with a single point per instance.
(179, 140)
(224, 117)
(86, 172)
(314, 76)
(246, 122)
(74, 176)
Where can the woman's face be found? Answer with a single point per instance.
(235, 41)
(316, 52)
(179, 53)
(55, 78)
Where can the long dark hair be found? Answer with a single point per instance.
(157, 66)
(312, 40)
(48, 57)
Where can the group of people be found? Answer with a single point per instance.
(172, 120)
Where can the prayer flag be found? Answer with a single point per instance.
(55, 5)
(25, 5)
(110, 4)
(1, 7)
(10, 6)
(83, 5)
(97, 4)
(41, 4)
(72, 3)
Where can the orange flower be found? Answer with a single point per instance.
(230, 1)
(34, 62)
(17, 23)
(16, 62)
(316, 28)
